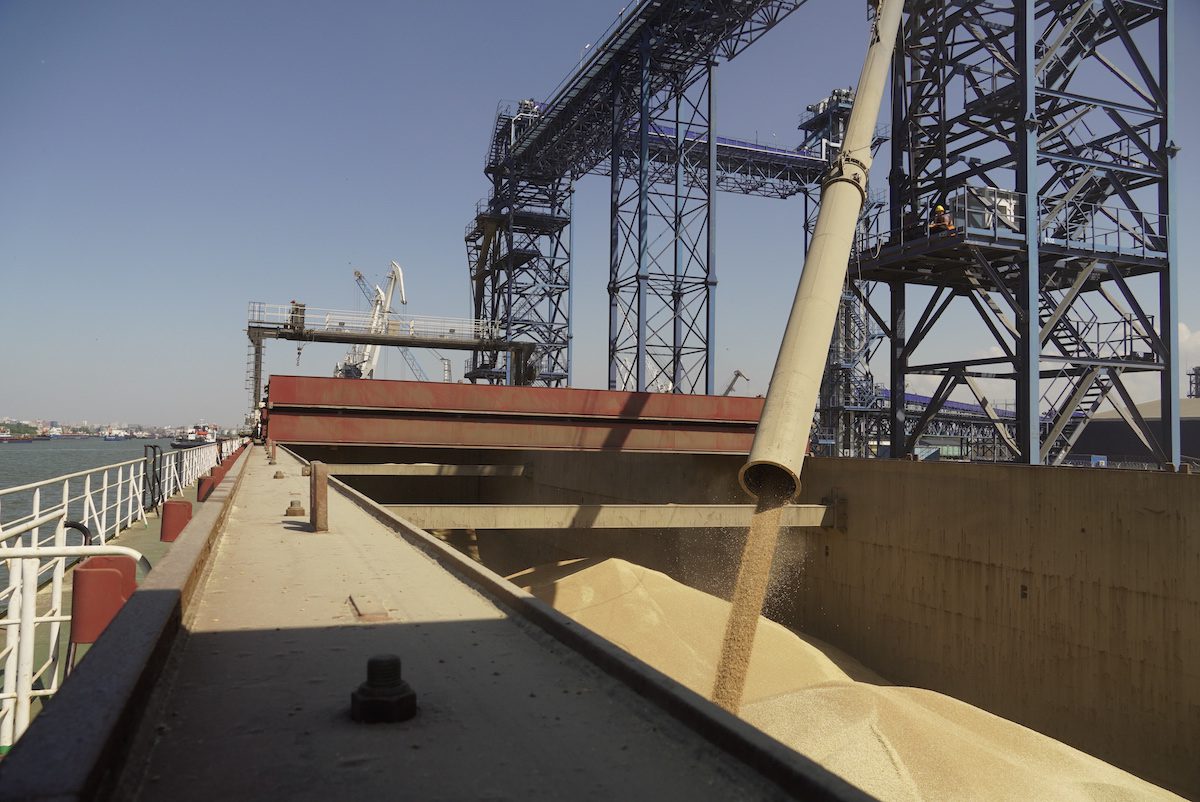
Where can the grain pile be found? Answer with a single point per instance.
(894, 742)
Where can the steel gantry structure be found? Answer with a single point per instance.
(638, 108)
(1044, 127)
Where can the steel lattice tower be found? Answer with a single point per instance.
(519, 254)
(637, 108)
(1044, 127)
(662, 265)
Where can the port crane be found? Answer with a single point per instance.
(362, 358)
(737, 374)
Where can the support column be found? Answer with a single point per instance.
(678, 246)
(256, 390)
(710, 359)
(1027, 362)
(899, 370)
(643, 205)
(570, 282)
(1168, 289)
(614, 233)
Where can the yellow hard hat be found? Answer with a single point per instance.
(940, 208)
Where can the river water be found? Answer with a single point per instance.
(23, 463)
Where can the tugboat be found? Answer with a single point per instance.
(198, 435)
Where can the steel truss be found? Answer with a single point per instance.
(638, 108)
(1043, 126)
(662, 270)
(519, 254)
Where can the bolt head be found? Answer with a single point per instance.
(278, 474)
(373, 702)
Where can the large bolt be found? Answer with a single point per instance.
(384, 696)
(295, 509)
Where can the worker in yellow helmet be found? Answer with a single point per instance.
(942, 220)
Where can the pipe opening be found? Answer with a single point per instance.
(767, 481)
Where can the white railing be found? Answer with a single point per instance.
(36, 550)
(30, 613)
(301, 317)
(110, 498)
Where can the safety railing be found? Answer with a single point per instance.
(989, 214)
(1102, 230)
(32, 652)
(113, 497)
(302, 317)
(42, 528)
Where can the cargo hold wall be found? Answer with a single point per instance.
(1064, 599)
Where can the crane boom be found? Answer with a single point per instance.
(362, 359)
(737, 374)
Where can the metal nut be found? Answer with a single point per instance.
(306, 470)
(384, 696)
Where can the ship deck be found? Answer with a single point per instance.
(255, 699)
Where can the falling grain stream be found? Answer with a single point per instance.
(749, 591)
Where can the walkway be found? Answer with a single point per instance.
(258, 704)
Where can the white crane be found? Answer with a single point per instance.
(361, 360)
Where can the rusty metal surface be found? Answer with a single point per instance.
(303, 428)
(315, 411)
(325, 393)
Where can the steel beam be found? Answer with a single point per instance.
(427, 469)
(305, 410)
(1168, 283)
(605, 516)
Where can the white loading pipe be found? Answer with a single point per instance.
(777, 455)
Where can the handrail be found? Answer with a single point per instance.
(23, 679)
(17, 488)
(33, 563)
(999, 215)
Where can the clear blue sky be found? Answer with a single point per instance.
(162, 164)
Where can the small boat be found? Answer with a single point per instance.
(198, 435)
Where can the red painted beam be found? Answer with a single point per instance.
(309, 410)
(513, 433)
(324, 393)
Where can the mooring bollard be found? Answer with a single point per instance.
(175, 517)
(318, 503)
(204, 488)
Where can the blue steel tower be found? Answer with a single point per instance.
(638, 108)
(1044, 129)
